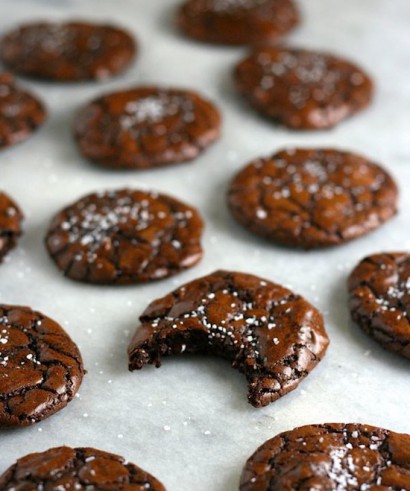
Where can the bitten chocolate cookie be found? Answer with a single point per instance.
(312, 198)
(10, 224)
(339, 457)
(83, 469)
(236, 22)
(302, 89)
(40, 367)
(272, 335)
(146, 127)
(21, 113)
(70, 51)
(125, 236)
(379, 299)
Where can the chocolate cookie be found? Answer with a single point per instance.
(125, 236)
(40, 367)
(312, 198)
(339, 457)
(21, 113)
(379, 299)
(65, 468)
(236, 22)
(10, 224)
(269, 333)
(69, 51)
(302, 89)
(146, 127)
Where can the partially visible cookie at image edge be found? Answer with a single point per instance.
(21, 113)
(125, 236)
(41, 367)
(272, 335)
(146, 127)
(237, 22)
(302, 89)
(10, 224)
(332, 456)
(312, 198)
(77, 469)
(379, 299)
(67, 51)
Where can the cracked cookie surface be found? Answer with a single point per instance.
(312, 198)
(146, 127)
(236, 22)
(379, 299)
(40, 366)
(71, 51)
(85, 469)
(302, 89)
(10, 224)
(125, 236)
(272, 335)
(21, 113)
(337, 457)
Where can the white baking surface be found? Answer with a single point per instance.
(189, 422)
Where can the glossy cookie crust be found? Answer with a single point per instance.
(10, 224)
(379, 299)
(82, 469)
(146, 127)
(312, 197)
(237, 22)
(21, 113)
(40, 366)
(67, 52)
(272, 335)
(301, 89)
(331, 457)
(125, 236)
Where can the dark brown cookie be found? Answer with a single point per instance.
(70, 51)
(269, 333)
(125, 236)
(10, 224)
(20, 112)
(379, 299)
(302, 89)
(83, 469)
(331, 457)
(236, 22)
(312, 198)
(146, 127)
(40, 366)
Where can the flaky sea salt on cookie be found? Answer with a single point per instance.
(272, 335)
(379, 299)
(331, 457)
(302, 89)
(146, 127)
(312, 197)
(125, 236)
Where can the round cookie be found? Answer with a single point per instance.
(10, 224)
(40, 367)
(312, 198)
(70, 51)
(348, 457)
(237, 22)
(125, 236)
(272, 335)
(301, 89)
(379, 299)
(65, 468)
(146, 127)
(21, 113)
